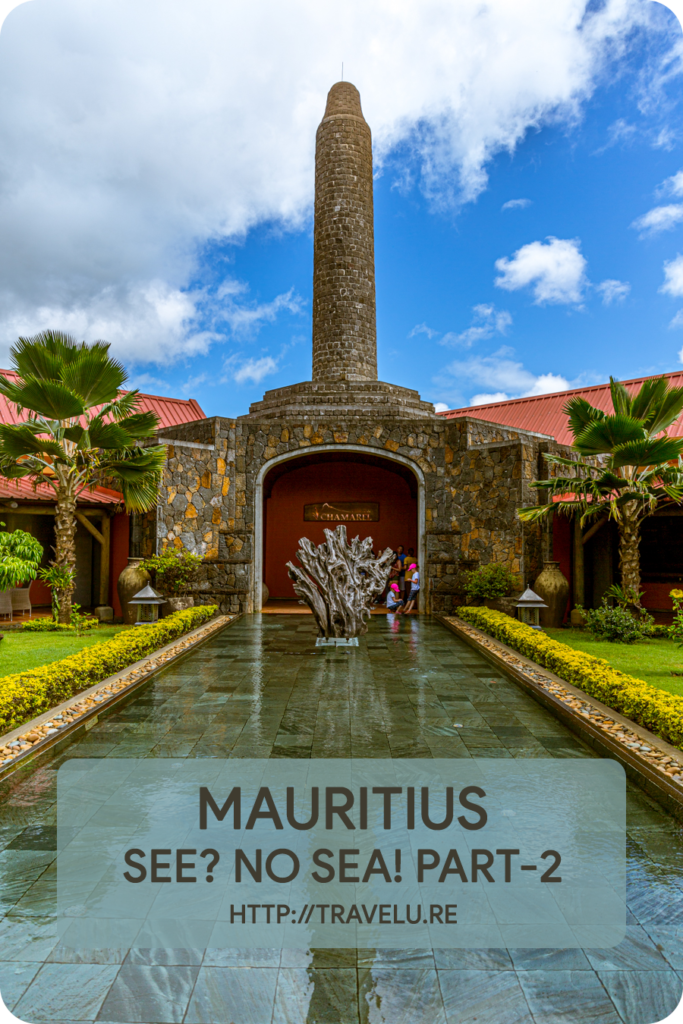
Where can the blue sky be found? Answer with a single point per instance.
(528, 199)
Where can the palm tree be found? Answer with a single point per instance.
(627, 467)
(78, 432)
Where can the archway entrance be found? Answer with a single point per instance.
(375, 496)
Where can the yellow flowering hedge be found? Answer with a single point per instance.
(657, 710)
(25, 695)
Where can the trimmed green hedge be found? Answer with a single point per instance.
(27, 694)
(657, 710)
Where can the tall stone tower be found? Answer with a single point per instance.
(344, 331)
(344, 380)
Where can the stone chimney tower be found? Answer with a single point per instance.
(344, 330)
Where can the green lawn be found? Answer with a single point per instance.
(651, 660)
(20, 651)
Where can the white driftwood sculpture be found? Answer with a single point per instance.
(339, 580)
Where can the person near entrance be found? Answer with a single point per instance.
(414, 587)
(400, 564)
(394, 600)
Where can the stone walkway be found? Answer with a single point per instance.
(260, 689)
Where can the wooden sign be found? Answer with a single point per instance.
(342, 512)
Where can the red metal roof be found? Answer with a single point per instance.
(22, 490)
(543, 413)
(170, 411)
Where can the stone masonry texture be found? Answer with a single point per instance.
(344, 332)
(476, 476)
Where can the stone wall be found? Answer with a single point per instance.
(476, 476)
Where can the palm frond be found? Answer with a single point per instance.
(106, 435)
(17, 440)
(124, 405)
(581, 413)
(48, 398)
(621, 399)
(646, 452)
(667, 412)
(140, 425)
(93, 375)
(600, 437)
(648, 397)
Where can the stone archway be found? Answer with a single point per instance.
(392, 461)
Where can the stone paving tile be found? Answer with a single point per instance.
(327, 996)
(643, 996)
(16, 981)
(260, 689)
(484, 997)
(74, 991)
(570, 997)
(149, 995)
(397, 996)
(230, 994)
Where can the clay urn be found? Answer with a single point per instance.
(132, 579)
(553, 586)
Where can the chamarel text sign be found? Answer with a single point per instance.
(332, 853)
(342, 512)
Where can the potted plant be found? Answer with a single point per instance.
(174, 574)
(490, 585)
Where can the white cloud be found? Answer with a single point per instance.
(489, 399)
(254, 370)
(619, 131)
(423, 329)
(486, 322)
(441, 407)
(501, 375)
(661, 218)
(673, 277)
(247, 319)
(677, 320)
(516, 204)
(666, 138)
(613, 291)
(145, 134)
(672, 186)
(555, 268)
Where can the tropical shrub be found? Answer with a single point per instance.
(675, 630)
(615, 625)
(20, 555)
(173, 573)
(490, 581)
(60, 580)
(655, 709)
(25, 695)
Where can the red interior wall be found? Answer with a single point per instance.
(120, 528)
(40, 594)
(337, 481)
(562, 549)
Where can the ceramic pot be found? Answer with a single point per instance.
(265, 594)
(177, 604)
(132, 579)
(553, 587)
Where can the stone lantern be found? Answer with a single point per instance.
(529, 607)
(148, 602)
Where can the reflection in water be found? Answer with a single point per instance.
(260, 689)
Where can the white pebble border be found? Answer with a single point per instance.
(663, 762)
(82, 707)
